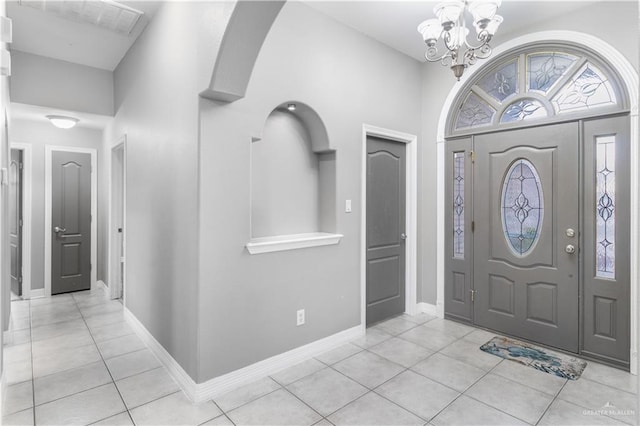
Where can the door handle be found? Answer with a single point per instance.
(570, 248)
(403, 236)
(57, 229)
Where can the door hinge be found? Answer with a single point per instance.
(20, 166)
(473, 295)
(20, 280)
(472, 154)
(473, 226)
(20, 223)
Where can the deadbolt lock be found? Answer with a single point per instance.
(570, 232)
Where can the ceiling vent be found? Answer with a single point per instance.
(106, 14)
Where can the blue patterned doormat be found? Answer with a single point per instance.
(541, 359)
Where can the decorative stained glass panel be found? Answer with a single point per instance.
(501, 83)
(544, 69)
(522, 206)
(474, 113)
(605, 206)
(524, 109)
(588, 88)
(458, 205)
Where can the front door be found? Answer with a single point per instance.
(386, 182)
(15, 220)
(526, 238)
(71, 222)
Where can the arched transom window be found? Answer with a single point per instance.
(549, 83)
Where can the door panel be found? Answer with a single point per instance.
(525, 283)
(71, 222)
(459, 254)
(606, 239)
(386, 180)
(15, 220)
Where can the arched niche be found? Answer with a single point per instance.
(293, 179)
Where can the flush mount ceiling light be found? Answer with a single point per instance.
(62, 122)
(291, 107)
(451, 27)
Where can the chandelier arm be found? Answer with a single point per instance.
(432, 55)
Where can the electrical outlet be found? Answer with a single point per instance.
(300, 317)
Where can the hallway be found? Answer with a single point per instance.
(75, 358)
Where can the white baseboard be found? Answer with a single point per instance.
(36, 293)
(3, 391)
(198, 392)
(428, 308)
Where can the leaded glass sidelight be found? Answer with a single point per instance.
(605, 206)
(522, 206)
(458, 205)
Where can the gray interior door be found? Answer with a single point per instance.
(606, 240)
(386, 182)
(15, 220)
(71, 222)
(458, 302)
(526, 256)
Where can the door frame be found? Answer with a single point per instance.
(411, 217)
(26, 218)
(49, 149)
(118, 148)
(629, 76)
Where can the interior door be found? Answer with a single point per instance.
(526, 234)
(71, 222)
(386, 186)
(15, 220)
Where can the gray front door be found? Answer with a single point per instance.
(15, 220)
(386, 182)
(71, 222)
(526, 256)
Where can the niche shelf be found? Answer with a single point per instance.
(293, 183)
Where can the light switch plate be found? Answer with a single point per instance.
(347, 206)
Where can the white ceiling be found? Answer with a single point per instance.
(43, 33)
(395, 23)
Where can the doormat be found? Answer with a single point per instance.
(554, 363)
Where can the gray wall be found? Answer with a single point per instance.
(437, 82)
(48, 82)
(38, 134)
(284, 179)
(248, 303)
(156, 99)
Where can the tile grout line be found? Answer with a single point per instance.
(103, 361)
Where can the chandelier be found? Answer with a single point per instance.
(451, 27)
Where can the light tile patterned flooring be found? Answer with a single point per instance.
(73, 360)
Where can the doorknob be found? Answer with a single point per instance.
(57, 229)
(403, 236)
(570, 248)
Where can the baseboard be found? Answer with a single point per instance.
(269, 366)
(181, 377)
(428, 308)
(36, 293)
(3, 391)
(198, 392)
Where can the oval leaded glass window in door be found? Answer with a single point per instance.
(521, 203)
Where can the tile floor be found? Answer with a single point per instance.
(72, 359)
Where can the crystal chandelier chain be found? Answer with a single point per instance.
(450, 26)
